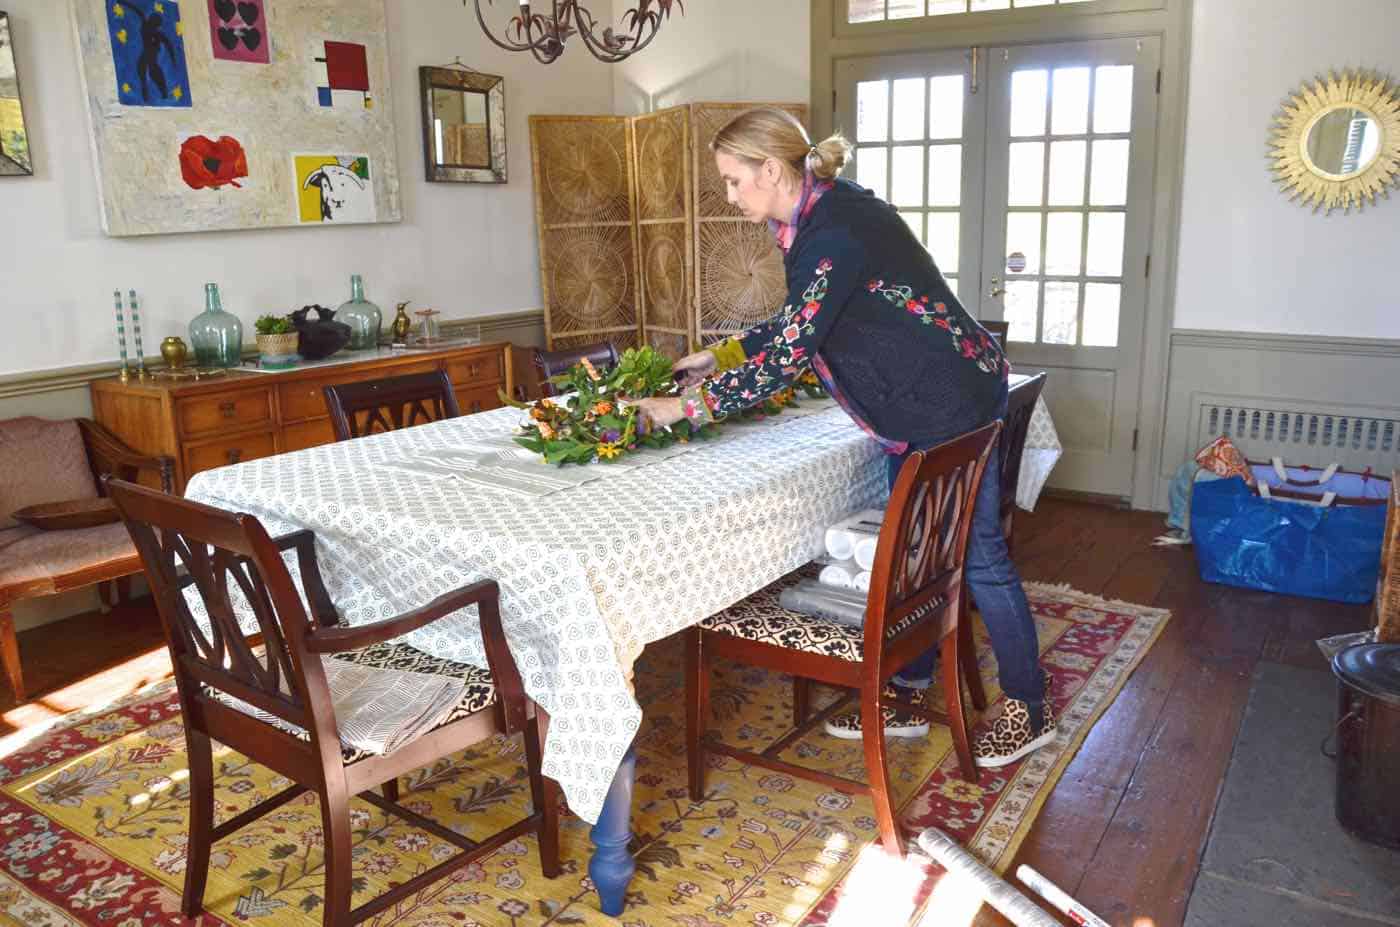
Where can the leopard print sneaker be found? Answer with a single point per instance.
(1011, 737)
(899, 720)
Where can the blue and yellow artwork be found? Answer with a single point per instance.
(148, 50)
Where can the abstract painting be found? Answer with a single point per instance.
(281, 117)
(238, 31)
(333, 188)
(148, 52)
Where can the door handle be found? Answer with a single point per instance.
(997, 290)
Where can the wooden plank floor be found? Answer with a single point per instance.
(1124, 829)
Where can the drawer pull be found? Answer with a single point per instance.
(234, 454)
(474, 370)
(229, 409)
(476, 405)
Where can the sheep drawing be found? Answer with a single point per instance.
(345, 195)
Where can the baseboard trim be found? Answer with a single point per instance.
(1291, 344)
(57, 379)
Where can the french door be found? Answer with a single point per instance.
(1029, 183)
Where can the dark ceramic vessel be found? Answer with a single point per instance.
(320, 338)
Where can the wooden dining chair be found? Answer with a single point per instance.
(1020, 406)
(997, 328)
(916, 589)
(222, 680)
(552, 363)
(391, 403)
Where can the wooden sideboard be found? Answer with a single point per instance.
(247, 414)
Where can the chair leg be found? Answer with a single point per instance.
(872, 737)
(201, 759)
(123, 590)
(953, 703)
(697, 710)
(335, 828)
(544, 792)
(9, 654)
(390, 790)
(801, 699)
(967, 655)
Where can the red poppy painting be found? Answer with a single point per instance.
(206, 163)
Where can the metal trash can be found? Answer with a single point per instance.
(1368, 742)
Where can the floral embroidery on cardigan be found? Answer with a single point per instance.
(970, 342)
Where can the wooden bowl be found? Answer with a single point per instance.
(65, 516)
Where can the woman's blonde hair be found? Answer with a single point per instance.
(756, 135)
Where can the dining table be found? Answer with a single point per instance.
(593, 563)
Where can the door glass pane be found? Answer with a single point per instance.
(1021, 298)
(1113, 98)
(1069, 109)
(955, 285)
(1108, 179)
(1067, 173)
(1064, 235)
(980, 5)
(942, 7)
(1023, 238)
(1105, 246)
(943, 229)
(945, 175)
(1025, 174)
(865, 11)
(907, 188)
(906, 9)
(1061, 313)
(1101, 314)
(909, 108)
(1028, 102)
(915, 221)
(871, 170)
(1025, 3)
(945, 106)
(872, 111)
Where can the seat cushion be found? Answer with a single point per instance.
(760, 618)
(41, 461)
(36, 560)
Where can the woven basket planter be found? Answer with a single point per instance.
(278, 345)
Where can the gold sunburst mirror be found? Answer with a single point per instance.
(1336, 145)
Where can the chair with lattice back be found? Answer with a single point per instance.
(915, 602)
(280, 705)
(391, 403)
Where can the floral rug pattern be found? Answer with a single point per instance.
(93, 812)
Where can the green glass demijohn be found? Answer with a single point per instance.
(363, 317)
(215, 335)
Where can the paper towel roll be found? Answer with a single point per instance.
(840, 543)
(842, 537)
(865, 553)
(839, 575)
(861, 581)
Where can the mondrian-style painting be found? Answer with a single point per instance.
(203, 113)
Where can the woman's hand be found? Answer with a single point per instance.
(657, 412)
(693, 368)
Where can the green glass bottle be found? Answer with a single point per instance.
(363, 317)
(216, 335)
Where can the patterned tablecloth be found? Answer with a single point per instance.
(588, 575)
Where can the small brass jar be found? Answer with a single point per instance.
(174, 351)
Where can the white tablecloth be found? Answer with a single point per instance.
(1042, 452)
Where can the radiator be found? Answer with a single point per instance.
(1302, 433)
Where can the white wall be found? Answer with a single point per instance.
(1249, 259)
(466, 249)
(740, 50)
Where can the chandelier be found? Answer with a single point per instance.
(544, 35)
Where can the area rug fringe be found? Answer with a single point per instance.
(1067, 593)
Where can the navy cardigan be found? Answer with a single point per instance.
(869, 309)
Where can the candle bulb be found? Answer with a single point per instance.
(136, 331)
(121, 328)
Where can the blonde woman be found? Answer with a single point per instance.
(868, 311)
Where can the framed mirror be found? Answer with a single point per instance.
(464, 125)
(14, 140)
(1336, 144)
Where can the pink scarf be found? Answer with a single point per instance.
(812, 191)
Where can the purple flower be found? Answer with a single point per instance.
(612, 435)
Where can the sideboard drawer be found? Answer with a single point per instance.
(478, 399)
(476, 369)
(225, 451)
(304, 399)
(220, 412)
(312, 433)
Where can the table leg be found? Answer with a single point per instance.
(611, 867)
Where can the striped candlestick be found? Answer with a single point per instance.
(121, 327)
(136, 330)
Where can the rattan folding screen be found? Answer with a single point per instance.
(637, 242)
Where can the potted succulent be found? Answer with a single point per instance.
(276, 337)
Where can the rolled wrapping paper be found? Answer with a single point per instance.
(842, 537)
(861, 582)
(865, 553)
(838, 575)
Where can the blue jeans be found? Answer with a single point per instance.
(996, 589)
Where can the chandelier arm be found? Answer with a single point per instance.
(506, 44)
(599, 50)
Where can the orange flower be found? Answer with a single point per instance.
(602, 408)
(592, 372)
(545, 431)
